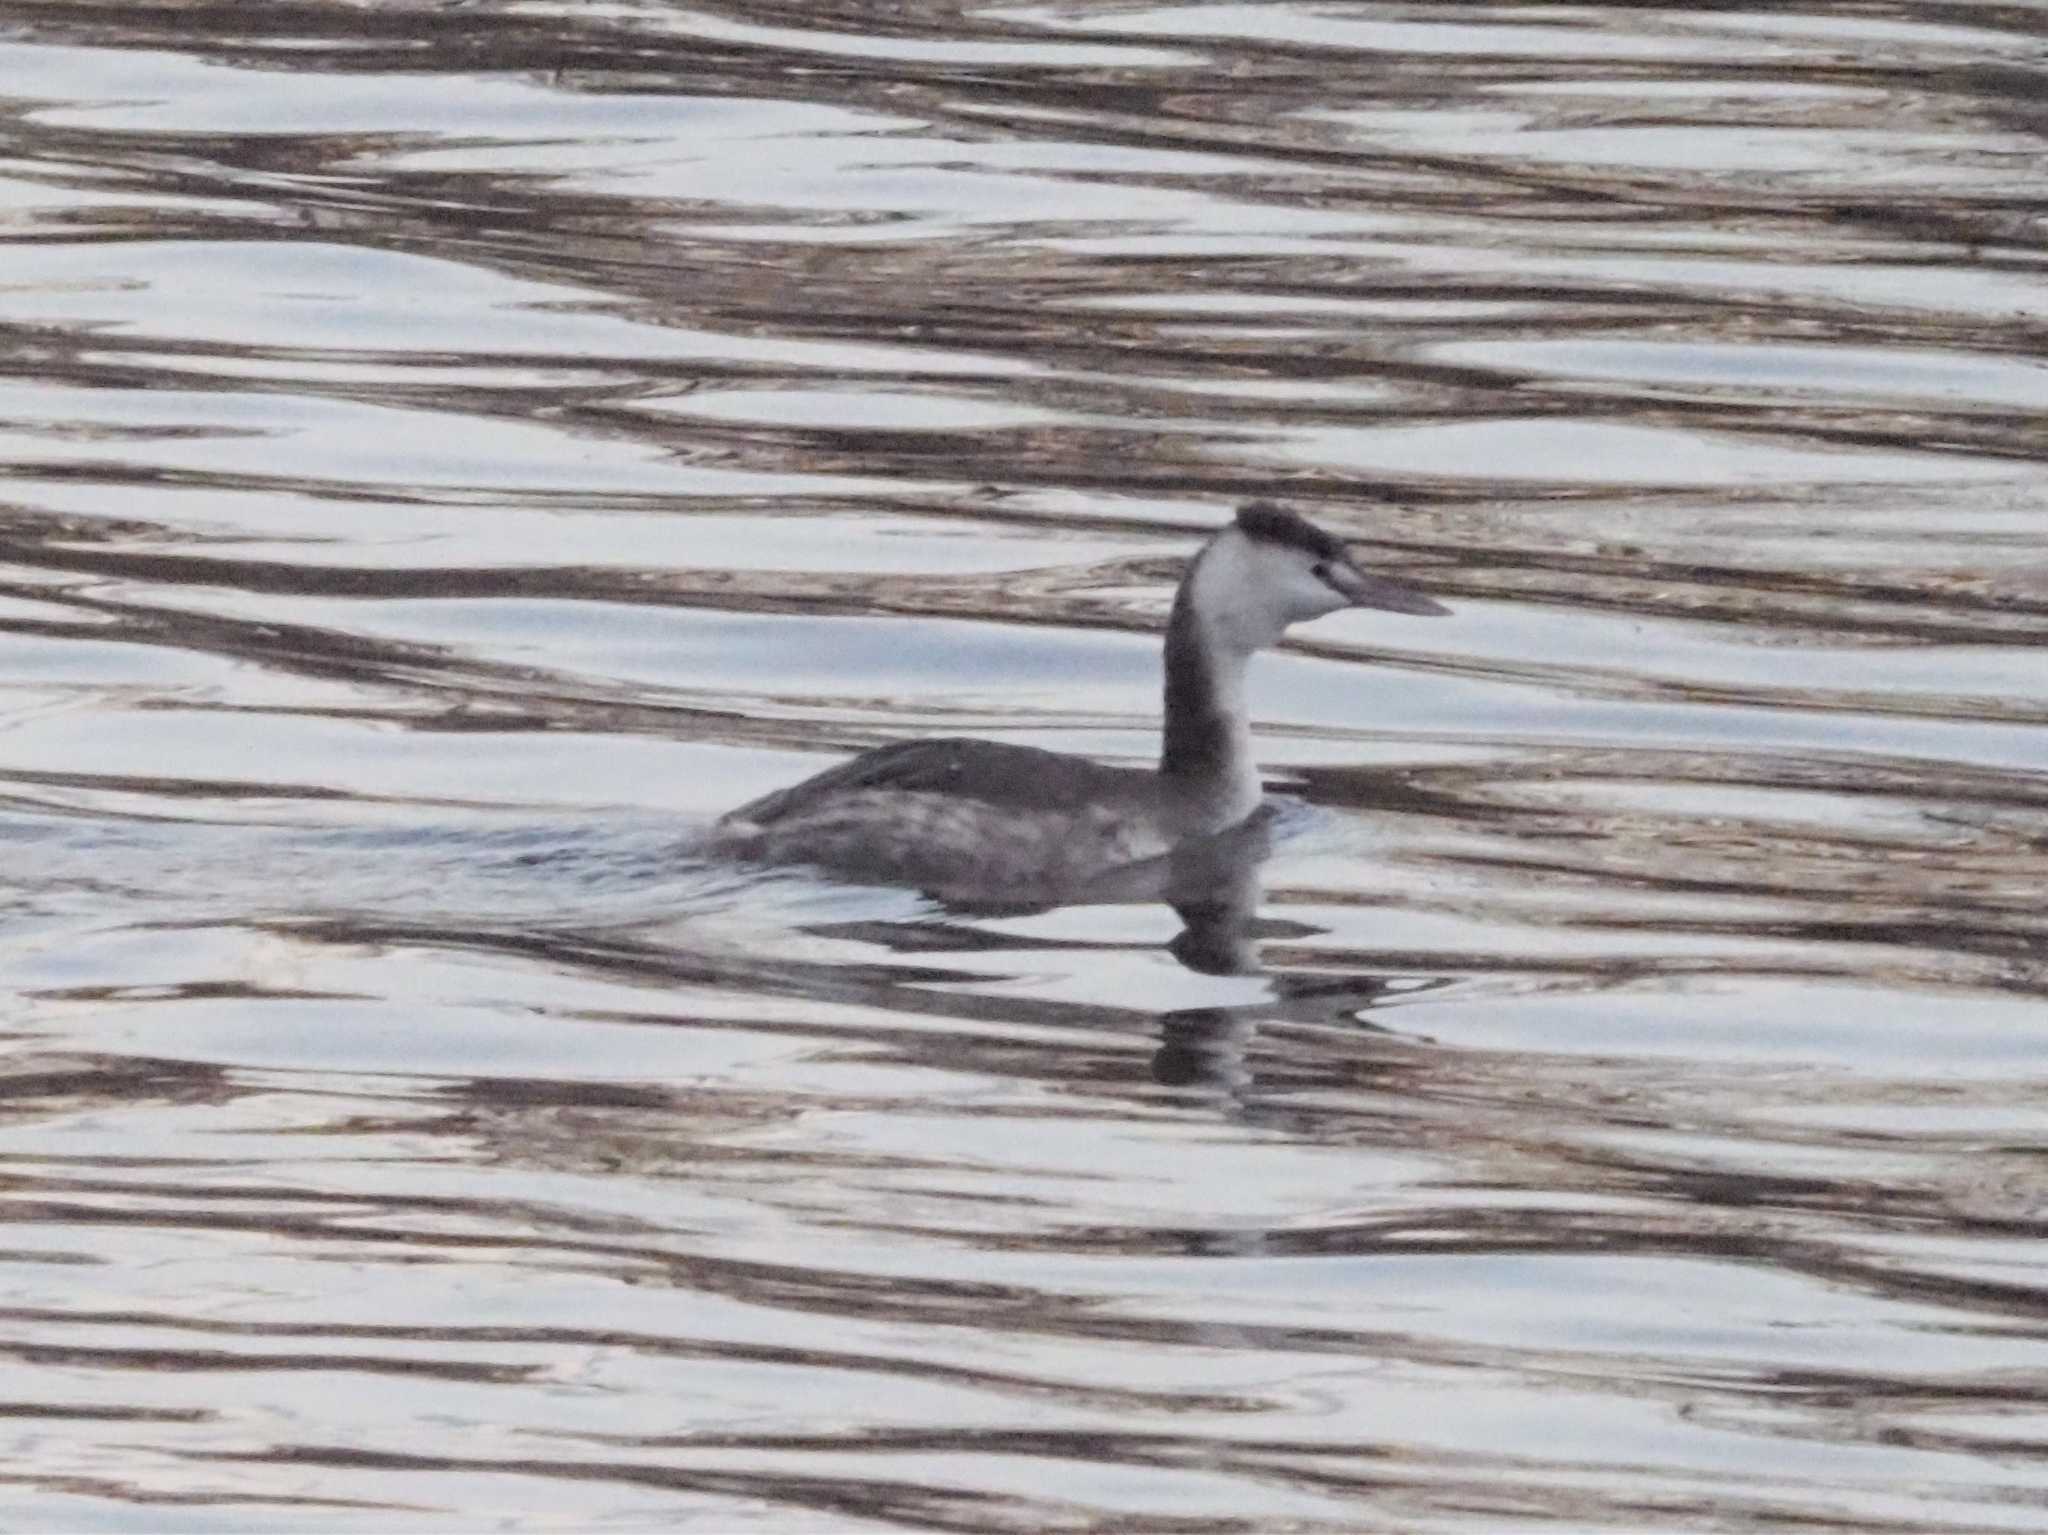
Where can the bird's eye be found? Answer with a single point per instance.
(1321, 569)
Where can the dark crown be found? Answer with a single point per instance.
(1277, 525)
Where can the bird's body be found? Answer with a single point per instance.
(987, 820)
(958, 815)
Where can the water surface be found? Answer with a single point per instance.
(451, 452)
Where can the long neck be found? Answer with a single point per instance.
(1206, 761)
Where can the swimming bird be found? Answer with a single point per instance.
(982, 820)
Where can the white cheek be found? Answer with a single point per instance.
(1252, 593)
(1307, 597)
(1260, 617)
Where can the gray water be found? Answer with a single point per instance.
(453, 451)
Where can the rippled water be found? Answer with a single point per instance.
(451, 450)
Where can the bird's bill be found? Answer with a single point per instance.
(1369, 591)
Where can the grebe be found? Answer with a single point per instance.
(980, 819)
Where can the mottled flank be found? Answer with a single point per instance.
(959, 818)
(950, 845)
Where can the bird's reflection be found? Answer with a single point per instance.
(1214, 887)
